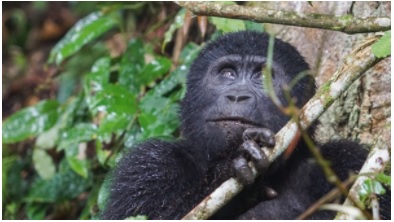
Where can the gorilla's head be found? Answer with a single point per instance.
(225, 92)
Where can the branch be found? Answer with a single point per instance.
(355, 64)
(347, 23)
(375, 163)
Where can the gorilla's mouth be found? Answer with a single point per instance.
(234, 120)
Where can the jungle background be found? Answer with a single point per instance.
(84, 81)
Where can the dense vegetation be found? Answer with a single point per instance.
(114, 82)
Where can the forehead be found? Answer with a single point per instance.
(239, 60)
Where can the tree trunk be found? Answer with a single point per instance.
(363, 113)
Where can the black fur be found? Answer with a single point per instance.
(165, 180)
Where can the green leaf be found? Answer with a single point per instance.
(65, 185)
(99, 75)
(82, 132)
(71, 140)
(36, 211)
(6, 163)
(383, 178)
(178, 76)
(131, 65)
(76, 67)
(48, 139)
(254, 26)
(104, 192)
(116, 106)
(178, 22)
(43, 164)
(81, 167)
(382, 48)
(73, 109)
(153, 70)
(101, 153)
(158, 116)
(97, 79)
(84, 31)
(370, 186)
(30, 121)
(228, 25)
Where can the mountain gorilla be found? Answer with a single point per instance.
(226, 117)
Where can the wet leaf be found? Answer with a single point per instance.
(153, 70)
(159, 116)
(131, 65)
(178, 76)
(43, 164)
(83, 32)
(62, 186)
(82, 132)
(97, 79)
(81, 167)
(30, 121)
(116, 106)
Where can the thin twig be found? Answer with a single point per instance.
(346, 23)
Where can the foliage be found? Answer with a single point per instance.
(101, 109)
(382, 48)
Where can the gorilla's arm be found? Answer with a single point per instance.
(161, 180)
(302, 182)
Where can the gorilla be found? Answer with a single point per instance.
(225, 118)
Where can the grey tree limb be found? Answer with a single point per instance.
(346, 23)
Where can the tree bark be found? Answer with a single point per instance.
(362, 113)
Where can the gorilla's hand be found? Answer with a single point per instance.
(250, 150)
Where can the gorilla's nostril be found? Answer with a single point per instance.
(232, 98)
(242, 98)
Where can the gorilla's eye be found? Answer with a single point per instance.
(259, 72)
(228, 73)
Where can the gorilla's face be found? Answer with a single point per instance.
(239, 101)
(225, 92)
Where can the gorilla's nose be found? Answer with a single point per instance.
(238, 98)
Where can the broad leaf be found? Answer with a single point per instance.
(153, 70)
(131, 65)
(370, 186)
(30, 121)
(43, 163)
(115, 106)
(178, 76)
(84, 32)
(64, 185)
(82, 132)
(382, 48)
